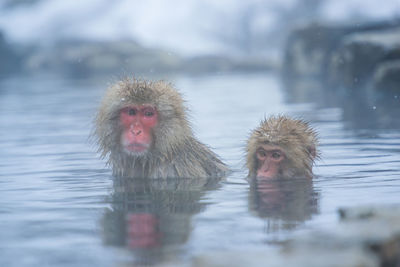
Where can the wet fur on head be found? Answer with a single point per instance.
(295, 137)
(174, 150)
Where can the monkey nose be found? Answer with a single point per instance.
(265, 166)
(135, 130)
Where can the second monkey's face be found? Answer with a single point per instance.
(270, 160)
(137, 122)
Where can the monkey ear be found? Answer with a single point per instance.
(313, 151)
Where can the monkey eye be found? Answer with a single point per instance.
(261, 153)
(132, 112)
(276, 155)
(148, 113)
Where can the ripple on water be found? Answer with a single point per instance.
(60, 206)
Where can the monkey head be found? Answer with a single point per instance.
(281, 148)
(136, 117)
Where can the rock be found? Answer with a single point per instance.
(308, 48)
(355, 60)
(352, 67)
(386, 77)
(378, 228)
(366, 236)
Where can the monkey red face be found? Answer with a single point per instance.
(269, 161)
(137, 123)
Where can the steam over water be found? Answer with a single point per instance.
(60, 205)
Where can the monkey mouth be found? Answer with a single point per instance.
(266, 176)
(136, 148)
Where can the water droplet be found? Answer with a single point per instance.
(374, 107)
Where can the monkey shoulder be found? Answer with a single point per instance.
(197, 160)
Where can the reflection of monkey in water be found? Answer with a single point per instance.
(143, 128)
(152, 216)
(285, 203)
(282, 148)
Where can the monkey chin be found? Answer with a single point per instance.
(265, 177)
(136, 150)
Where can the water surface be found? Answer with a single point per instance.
(60, 205)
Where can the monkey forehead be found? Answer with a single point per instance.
(282, 129)
(140, 107)
(158, 94)
(271, 136)
(270, 147)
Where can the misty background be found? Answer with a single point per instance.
(48, 34)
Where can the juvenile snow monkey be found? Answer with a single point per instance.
(282, 147)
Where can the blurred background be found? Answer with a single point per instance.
(97, 36)
(334, 63)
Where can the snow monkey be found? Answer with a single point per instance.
(142, 128)
(282, 147)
